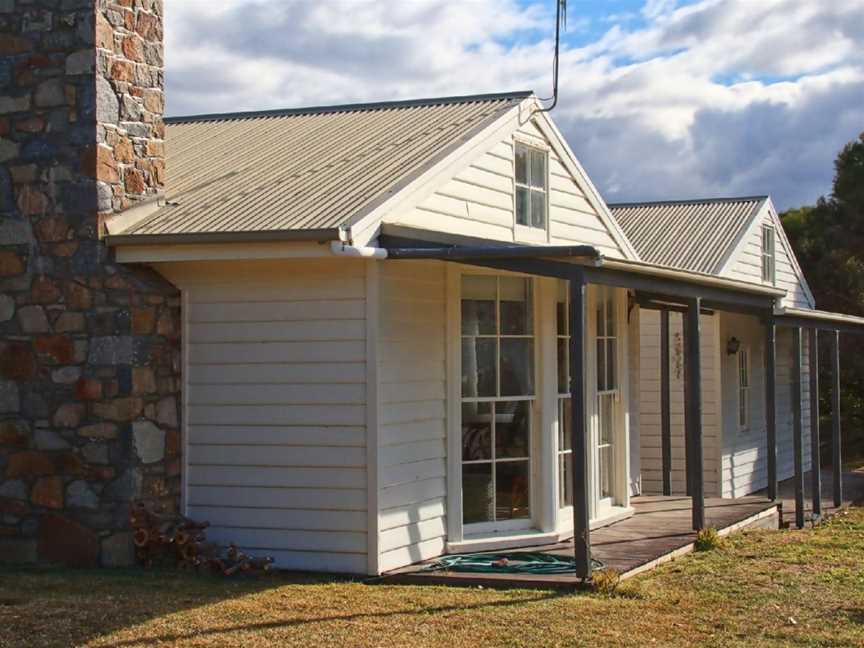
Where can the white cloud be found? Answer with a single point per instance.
(679, 103)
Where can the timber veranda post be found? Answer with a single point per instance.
(771, 404)
(578, 427)
(797, 430)
(665, 403)
(815, 455)
(836, 450)
(693, 412)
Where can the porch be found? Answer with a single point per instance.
(659, 530)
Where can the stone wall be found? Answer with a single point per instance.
(89, 349)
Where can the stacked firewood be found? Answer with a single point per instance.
(169, 537)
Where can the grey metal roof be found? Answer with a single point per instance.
(304, 171)
(693, 235)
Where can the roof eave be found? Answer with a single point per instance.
(320, 235)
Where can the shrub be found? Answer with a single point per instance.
(708, 539)
(605, 581)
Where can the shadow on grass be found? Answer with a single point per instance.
(131, 597)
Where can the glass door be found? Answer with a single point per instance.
(497, 402)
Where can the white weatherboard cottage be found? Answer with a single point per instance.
(348, 412)
(738, 238)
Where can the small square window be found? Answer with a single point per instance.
(531, 186)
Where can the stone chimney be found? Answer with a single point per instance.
(89, 348)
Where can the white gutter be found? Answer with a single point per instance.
(820, 315)
(338, 248)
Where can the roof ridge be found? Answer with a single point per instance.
(690, 201)
(351, 107)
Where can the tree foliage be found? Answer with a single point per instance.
(828, 239)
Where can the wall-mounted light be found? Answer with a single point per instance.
(733, 345)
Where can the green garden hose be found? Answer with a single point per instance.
(515, 562)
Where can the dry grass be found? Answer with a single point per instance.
(761, 589)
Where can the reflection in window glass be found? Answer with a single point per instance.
(531, 186)
(497, 397)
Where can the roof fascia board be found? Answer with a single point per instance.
(221, 251)
(740, 240)
(572, 164)
(418, 188)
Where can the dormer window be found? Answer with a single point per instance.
(531, 186)
(768, 257)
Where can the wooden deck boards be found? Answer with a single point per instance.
(658, 530)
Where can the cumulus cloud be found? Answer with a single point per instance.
(714, 97)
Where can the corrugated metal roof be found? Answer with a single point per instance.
(691, 235)
(307, 169)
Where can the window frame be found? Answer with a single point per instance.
(769, 256)
(743, 371)
(503, 524)
(530, 232)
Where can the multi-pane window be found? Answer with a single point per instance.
(531, 186)
(607, 387)
(743, 389)
(497, 397)
(768, 256)
(565, 447)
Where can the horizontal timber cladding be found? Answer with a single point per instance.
(747, 263)
(650, 439)
(478, 201)
(744, 465)
(411, 438)
(276, 408)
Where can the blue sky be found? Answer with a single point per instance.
(659, 99)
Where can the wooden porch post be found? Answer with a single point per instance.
(693, 413)
(665, 400)
(579, 432)
(771, 403)
(815, 459)
(836, 452)
(797, 433)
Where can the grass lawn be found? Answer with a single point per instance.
(763, 588)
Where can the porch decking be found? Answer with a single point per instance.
(659, 530)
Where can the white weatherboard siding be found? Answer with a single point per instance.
(412, 446)
(651, 449)
(275, 399)
(634, 340)
(744, 465)
(478, 201)
(746, 262)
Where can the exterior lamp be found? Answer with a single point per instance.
(733, 345)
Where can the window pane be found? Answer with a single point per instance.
(478, 305)
(476, 431)
(512, 429)
(610, 316)
(611, 378)
(565, 480)
(564, 434)
(538, 169)
(563, 367)
(478, 367)
(516, 315)
(517, 367)
(477, 502)
(521, 164)
(521, 206)
(512, 482)
(601, 320)
(538, 209)
(606, 471)
(601, 365)
(561, 311)
(607, 422)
